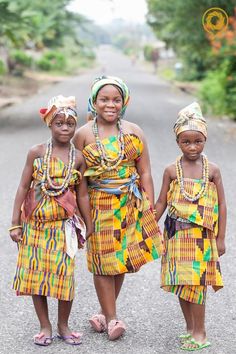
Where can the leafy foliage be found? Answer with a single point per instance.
(52, 60)
(207, 57)
(179, 24)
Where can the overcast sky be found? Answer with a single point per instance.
(104, 11)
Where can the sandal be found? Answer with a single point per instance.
(185, 337)
(194, 345)
(115, 329)
(73, 339)
(98, 322)
(42, 339)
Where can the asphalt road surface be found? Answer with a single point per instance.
(152, 316)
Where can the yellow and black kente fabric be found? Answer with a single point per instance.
(43, 267)
(126, 234)
(190, 262)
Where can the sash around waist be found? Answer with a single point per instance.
(118, 186)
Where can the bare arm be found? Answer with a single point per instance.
(21, 193)
(161, 202)
(79, 138)
(144, 170)
(82, 198)
(217, 179)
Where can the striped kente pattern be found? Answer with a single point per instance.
(126, 236)
(190, 255)
(193, 293)
(43, 267)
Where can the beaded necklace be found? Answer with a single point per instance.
(47, 186)
(108, 163)
(180, 179)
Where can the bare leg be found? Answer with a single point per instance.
(106, 293)
(119, 279)
(188, 316)
(199, 332)
(64, 309)
(41, 309)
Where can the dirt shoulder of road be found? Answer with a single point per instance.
(14, 89)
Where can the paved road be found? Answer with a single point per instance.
(153, 317)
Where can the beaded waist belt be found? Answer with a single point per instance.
(118, 186)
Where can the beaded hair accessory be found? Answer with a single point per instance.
(180, 178)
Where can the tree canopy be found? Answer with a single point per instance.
(179, 24)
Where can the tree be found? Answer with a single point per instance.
(179, 24)
(38, 23)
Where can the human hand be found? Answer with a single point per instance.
(220, 243)
(16, 235)
(89, 231)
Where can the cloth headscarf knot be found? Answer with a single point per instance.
(101, 81)
(190, 118)
(59, 104)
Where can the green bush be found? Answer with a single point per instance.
(212, 92)
(218, 90)
(52, 61)
(147, 51)
(20, 57)
(2, 68)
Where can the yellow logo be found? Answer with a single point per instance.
(215, 20)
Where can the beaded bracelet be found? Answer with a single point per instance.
(15, 227)
(154, 211)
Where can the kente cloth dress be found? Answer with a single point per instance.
(43, 266)
(126, 234)
(190, 261)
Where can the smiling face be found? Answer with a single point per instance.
(109, 103)
(62, 128)
(191, 143)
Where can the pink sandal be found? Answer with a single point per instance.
(115, 329)
(42, 339)
(73, 339)
(98, 322)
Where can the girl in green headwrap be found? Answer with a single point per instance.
(126, 235)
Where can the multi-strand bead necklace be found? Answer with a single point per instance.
(108, 163)
(180, 179)
(48, 187)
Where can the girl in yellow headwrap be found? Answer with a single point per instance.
(126, 235)
(45, 224)
(194, 234)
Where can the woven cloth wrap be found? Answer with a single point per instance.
(59, 104)
(108, 80)
(190, 118)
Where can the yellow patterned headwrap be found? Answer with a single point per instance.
(190, 118)
(59, 104)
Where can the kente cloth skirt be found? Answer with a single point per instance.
(125, 237)
(43, 267)
(191, 293)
